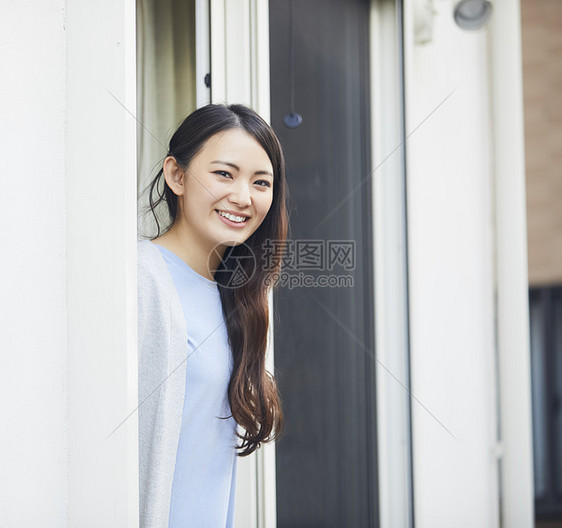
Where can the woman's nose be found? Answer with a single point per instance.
(240, 194)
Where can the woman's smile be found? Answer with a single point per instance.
(232, 218)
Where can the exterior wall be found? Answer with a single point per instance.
(33, 292)
(451, 275)
(67, 200)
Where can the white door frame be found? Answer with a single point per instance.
(390, 258)
(512, 282)
(202, 52)
(101, 183)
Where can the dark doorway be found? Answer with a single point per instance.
(324, 335)
(545, 305)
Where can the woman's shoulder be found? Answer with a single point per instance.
(159, 307)
(145, 248)
(153, 290)
(148, 257)
(151, 268)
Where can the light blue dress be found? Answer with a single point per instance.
(203, 488)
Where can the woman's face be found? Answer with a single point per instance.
(231, 174)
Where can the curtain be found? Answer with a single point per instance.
(165, 87)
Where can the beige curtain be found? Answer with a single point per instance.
(165, 86)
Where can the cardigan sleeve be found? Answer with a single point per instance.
(151, 321)
(162, 343)
(153, 327)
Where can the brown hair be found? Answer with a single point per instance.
(254, 399)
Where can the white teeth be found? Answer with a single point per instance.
(232, 217)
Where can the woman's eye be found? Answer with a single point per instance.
(226, 174)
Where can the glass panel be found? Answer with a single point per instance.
(324, 342)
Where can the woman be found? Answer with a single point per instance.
(203, 315)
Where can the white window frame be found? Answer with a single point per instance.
(390, 258)
(202, 52)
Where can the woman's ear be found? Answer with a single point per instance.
(174, 175)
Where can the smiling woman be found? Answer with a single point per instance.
(212, 200)
(203, 336)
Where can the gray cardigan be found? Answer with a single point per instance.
(162, 348)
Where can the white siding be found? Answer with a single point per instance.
(33, 330)
(450, 222)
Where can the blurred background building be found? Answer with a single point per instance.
(542, 81)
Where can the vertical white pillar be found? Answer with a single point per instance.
(451, 272)
(511, 268)
(390, 257)
(101, 262)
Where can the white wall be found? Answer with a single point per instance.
(101, 194)
(33, 330)
(451, 262)
(67, 201)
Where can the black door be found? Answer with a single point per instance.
(545, 305)
(324, 335)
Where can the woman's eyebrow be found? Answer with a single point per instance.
(238, 168)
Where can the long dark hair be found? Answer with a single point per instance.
(254, 399)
